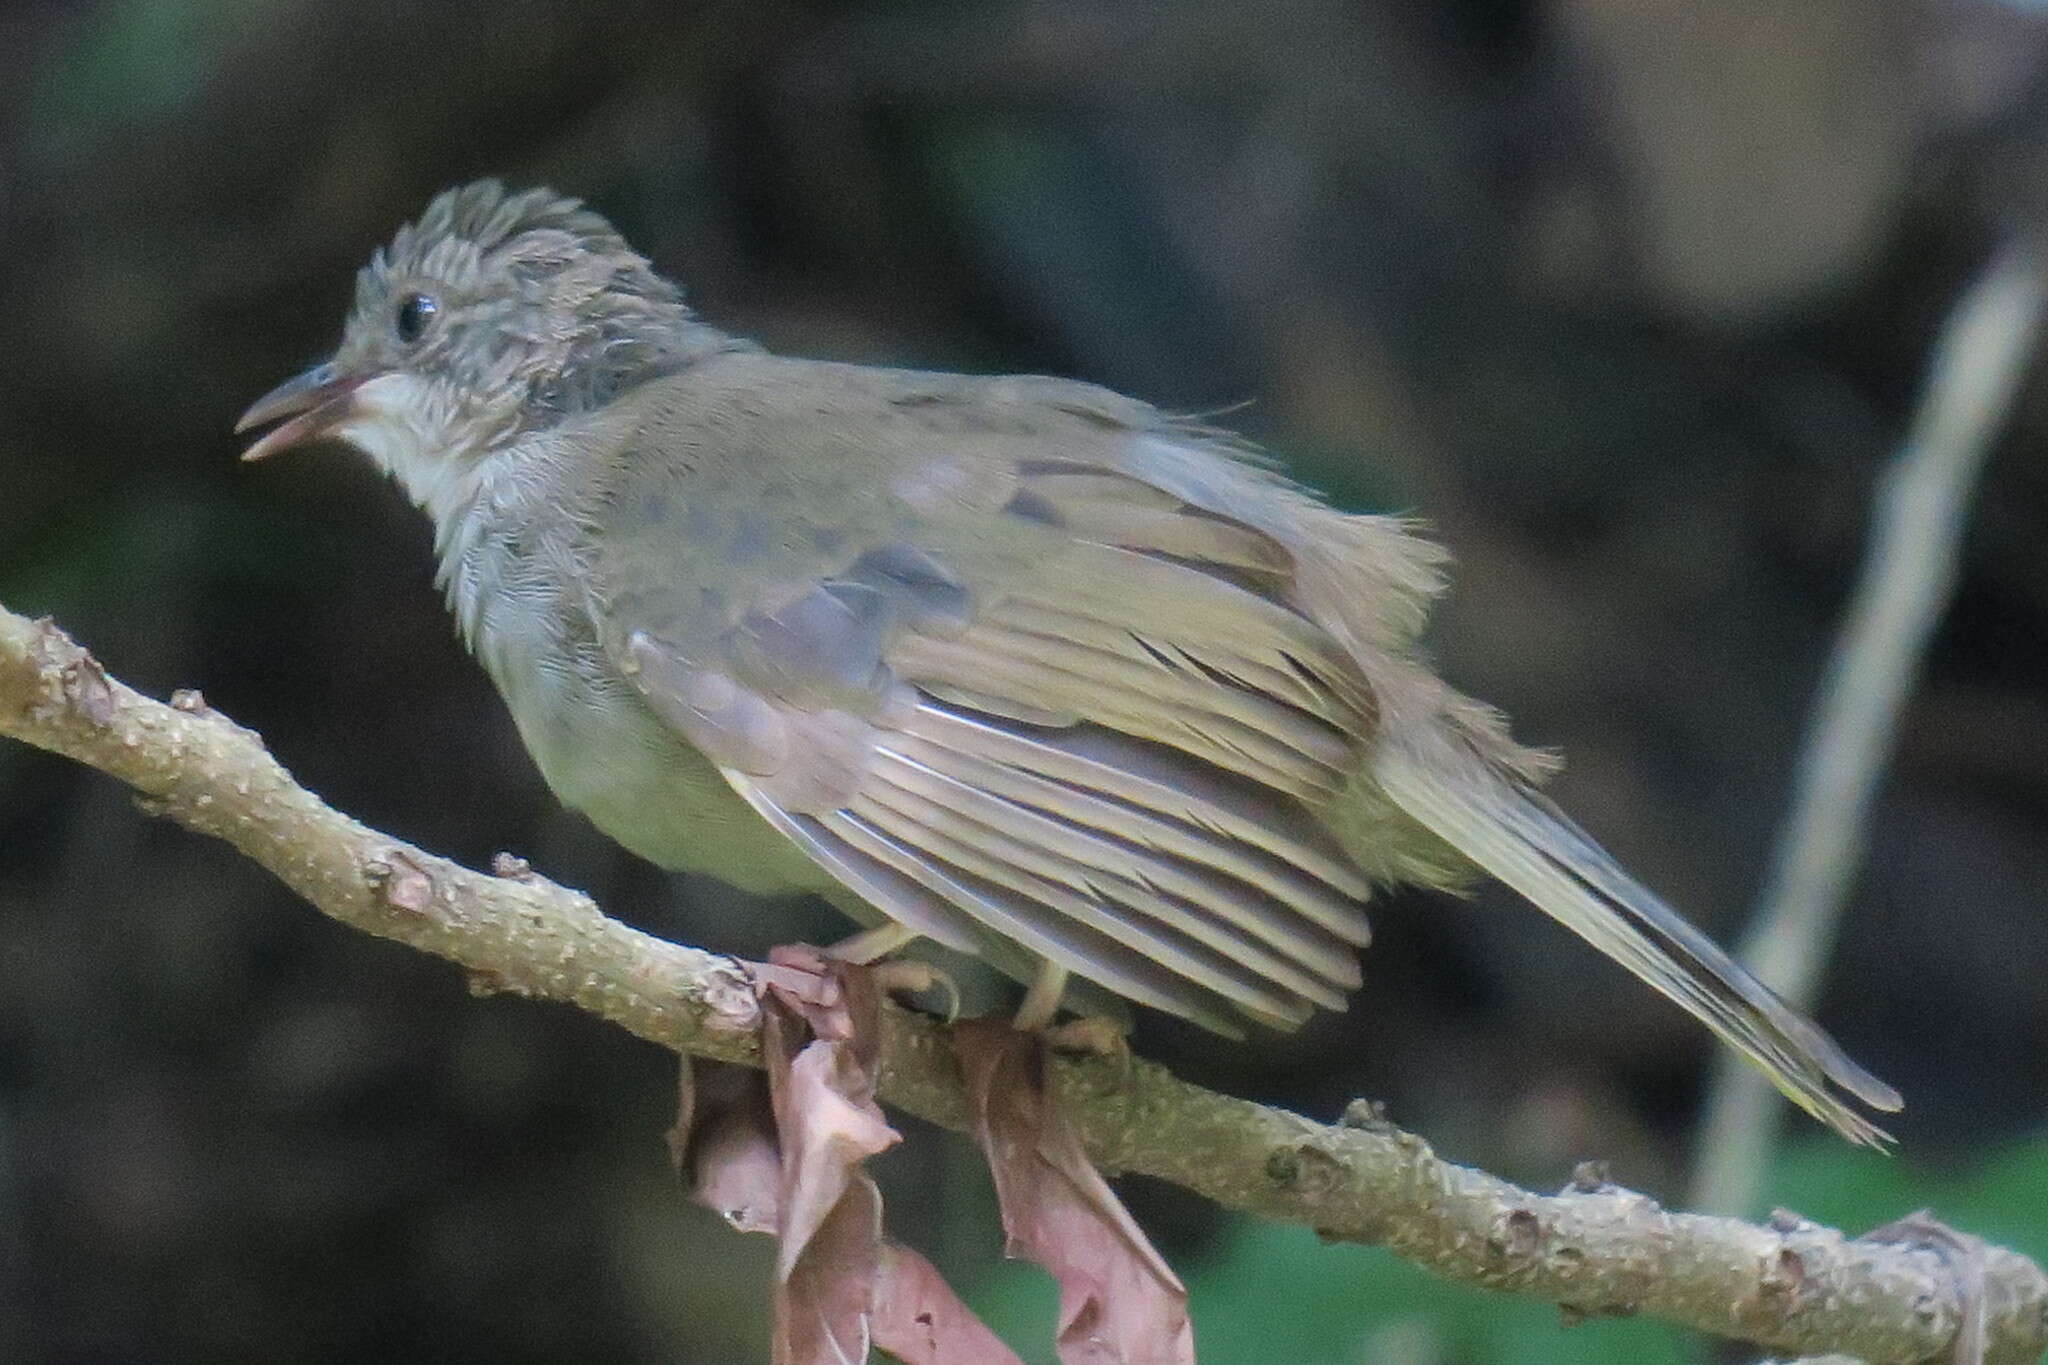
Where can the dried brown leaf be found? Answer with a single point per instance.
(825, 1111)
(919, 1320)
(678, 1135)
(731, 1151)
(783, 1153)
(1120, 1304)
(824, 1301)
(828, 1124)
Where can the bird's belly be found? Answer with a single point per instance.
(605, 754)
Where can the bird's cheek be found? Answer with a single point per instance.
(406, 431)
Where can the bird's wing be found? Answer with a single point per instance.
(997, 692)
(1057, 671)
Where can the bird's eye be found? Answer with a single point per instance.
(415, 311)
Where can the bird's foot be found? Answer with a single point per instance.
(1091, 1035)
(919, 986)
(911, 983)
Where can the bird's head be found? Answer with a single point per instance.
(493, 316)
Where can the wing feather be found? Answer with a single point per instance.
(990, 862)
(1172, 894)
(1278, 676)
(1041, 930)
(1087, 684)
(1151, 792)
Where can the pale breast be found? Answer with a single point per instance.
(512, 581)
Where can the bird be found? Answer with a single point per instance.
(1017, 665)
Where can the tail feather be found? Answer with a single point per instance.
(1520, 838)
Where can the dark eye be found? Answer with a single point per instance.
(415, 311)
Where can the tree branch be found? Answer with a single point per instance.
(1790, 1286)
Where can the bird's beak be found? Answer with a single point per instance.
(317, 402)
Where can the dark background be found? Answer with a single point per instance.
(1630, 298)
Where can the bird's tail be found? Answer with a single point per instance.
(1517, 836)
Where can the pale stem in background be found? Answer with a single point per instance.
(1915, 537)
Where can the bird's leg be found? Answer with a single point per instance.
(1090, 1035)
(1042, 1000)
(905, 978)
(870, 945)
